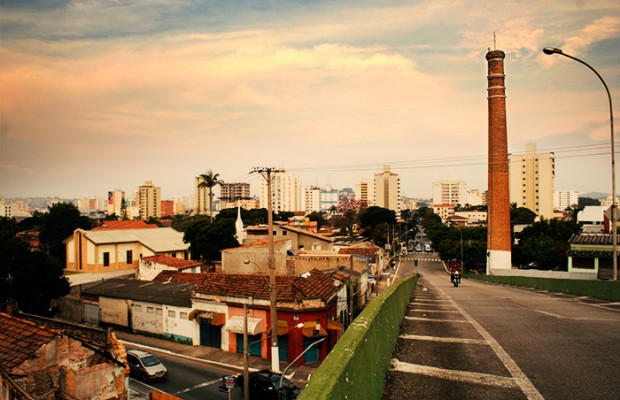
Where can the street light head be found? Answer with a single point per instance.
(299, 325)
(247, 261)
(552, 50)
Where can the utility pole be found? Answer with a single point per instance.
(268, 174)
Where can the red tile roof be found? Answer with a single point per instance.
(125, 224)
(170, 261)
(312, 285)
(20, 339)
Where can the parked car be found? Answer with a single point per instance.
(264, 384)
(145, 366)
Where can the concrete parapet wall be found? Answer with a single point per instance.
(355, 368)
(534, 273)
(606, 290)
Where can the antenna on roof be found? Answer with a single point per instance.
(494, 43)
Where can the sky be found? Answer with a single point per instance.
(98, 95)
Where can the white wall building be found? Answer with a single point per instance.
(450, 192)
(387, 190)
(563, 199)
(329, 198)
(312, 199)
(531, 177)
(285, 192)
(364, 191)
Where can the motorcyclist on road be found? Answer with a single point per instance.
(454, 266)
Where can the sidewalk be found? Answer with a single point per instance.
(211, 355)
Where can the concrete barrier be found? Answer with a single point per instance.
(355, 368)
(606, 290)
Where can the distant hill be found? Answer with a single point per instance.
(594, 195)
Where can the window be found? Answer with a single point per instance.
(172, 314)
(284, 233)
(106, 259)
(137, 307)
(183, 315)
(173, 255)
(159, 311)
(129, 257)
(150, 310)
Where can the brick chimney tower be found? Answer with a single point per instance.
(499, 238)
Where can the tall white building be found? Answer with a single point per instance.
(329, 198)
(285, 192)
(115, 202)
(476, 198)
(312, 199)
(387, 190)
(450, 192)
(149, 200)
(531, 178)
(364, 191)
(563, 199)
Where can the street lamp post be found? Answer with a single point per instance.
(551, 51)
(293, 363)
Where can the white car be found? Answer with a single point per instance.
(145, 366)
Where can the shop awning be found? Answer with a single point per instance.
(310, 328)
(334, 325)
(215, 318)
(282, 327)
(235, 324)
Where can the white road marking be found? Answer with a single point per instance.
(435, 319)
(201, 385)
(522, 380)
(444, 339)
(456, 375)
(427, 310)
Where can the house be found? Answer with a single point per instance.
(591, 253)
(592, 219)
(154, 307)
(121, 249)
(218, 302)
(151, 266)
(52, 362)
(124, 224)
(301, 239)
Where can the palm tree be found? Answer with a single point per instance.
(210, 180)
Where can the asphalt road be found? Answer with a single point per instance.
(486, 341)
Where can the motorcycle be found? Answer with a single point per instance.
(456, 278)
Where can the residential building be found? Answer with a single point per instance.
(563, 199)
(116, 199)
(476, 197)
(121, 249)
(301, 239)
(450, 191)
(592, 219)
(5, 209)
(202, 200)
(531, 177)
(149, 201)
(232, 193)
(46, 359)
(91, 205)
(151, 266)
(312, 199)
(364, 191)
(329, 199)
(445, 211)
(591, 254)
(285, 192)
(387, 190)
(472, 217)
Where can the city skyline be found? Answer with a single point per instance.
(104, 95)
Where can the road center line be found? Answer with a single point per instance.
(199, 386)
(435, 319)
(522, 380)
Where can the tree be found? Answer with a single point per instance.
(348, 214)
(29, 278)
(377, 223)
(521, 215)
(318, 217)
(545, 242)
(208, 238)
(209, 181)
(58, 224)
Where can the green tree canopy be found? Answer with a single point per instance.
(318, 217)
(209, 181)
(208, 238)
(521, 215)
(545, 242)
(29, 278)
(58, 224)
(377, 223)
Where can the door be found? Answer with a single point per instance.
(311, 355)
(210, 335)
(283, 347)
(254, 342)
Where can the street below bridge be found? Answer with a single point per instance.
(488, 341)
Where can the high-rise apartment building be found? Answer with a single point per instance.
(329, 199)
(202, 199)
(149, 201)
(387, 190)
(450, 192)
(115, 202)
(364, 191)
(312, 199)
(531, 180)
(285, 192)
(563, 199)
(232, 193)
